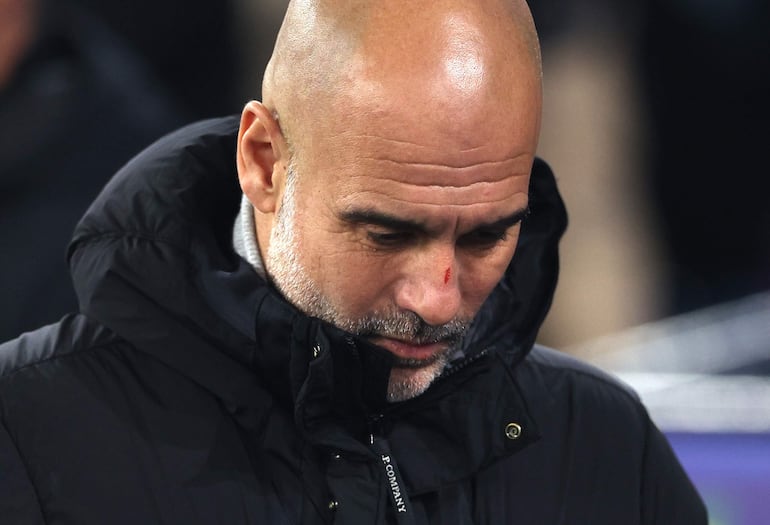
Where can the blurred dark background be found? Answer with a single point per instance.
(84, 86)
(656, 120)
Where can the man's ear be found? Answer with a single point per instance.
(262, 156)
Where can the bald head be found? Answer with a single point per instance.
(337, 58)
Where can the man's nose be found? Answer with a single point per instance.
(430, 288)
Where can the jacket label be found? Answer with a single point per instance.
(394, 481)
(395, 487)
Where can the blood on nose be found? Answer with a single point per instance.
(447, 275)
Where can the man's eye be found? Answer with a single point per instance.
(388, 238)
(483, 238)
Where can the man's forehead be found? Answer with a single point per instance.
(440, 142)
(427, 192)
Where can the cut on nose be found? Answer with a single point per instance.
(436, 299)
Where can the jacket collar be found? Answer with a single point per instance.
(471, 417)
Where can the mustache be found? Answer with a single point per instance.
(410, 327)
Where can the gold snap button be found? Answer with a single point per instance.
(333, 505)
(513, 431)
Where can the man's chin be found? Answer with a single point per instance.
(407, 382)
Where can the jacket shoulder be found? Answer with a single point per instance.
(562, 387)
(559, 369)
(72, 335)
(29, 395)
(595, 427)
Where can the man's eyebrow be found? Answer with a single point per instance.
(506, 222)
(373, 217)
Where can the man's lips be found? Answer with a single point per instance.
(405, 350)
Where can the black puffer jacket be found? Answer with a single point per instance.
(188, 392)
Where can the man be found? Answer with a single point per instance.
(369, 357)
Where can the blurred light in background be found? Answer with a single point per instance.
(704, 377)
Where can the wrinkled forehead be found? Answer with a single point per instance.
(428, 122)
(421, 161)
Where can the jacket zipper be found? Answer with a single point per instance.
(402, 506)
(464, 363)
